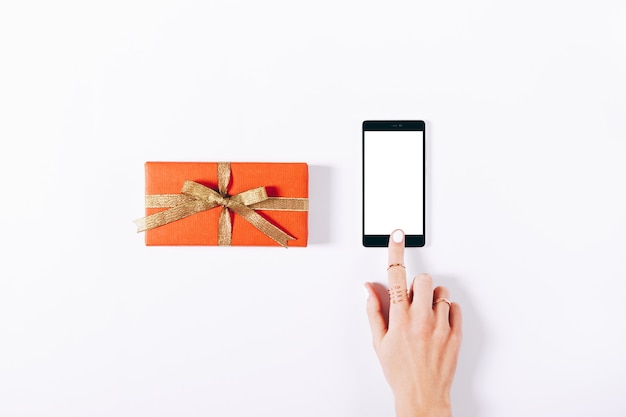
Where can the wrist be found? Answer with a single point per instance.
(408, 409)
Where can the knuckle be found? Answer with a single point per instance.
(424, 329)
(425, 278)
(399, 319)
(442, 290)
(397, 274)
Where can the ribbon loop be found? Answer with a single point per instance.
(200, 192)
(252, 196)
(225, 228)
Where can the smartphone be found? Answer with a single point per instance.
(394, 181)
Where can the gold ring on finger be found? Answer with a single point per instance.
(445, 300)
(392, 265)
(397, 295)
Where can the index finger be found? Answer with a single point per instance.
(396, 272)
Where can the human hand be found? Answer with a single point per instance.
(418, 345)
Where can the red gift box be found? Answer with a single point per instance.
(238, 204)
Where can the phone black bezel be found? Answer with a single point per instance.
(394, 125)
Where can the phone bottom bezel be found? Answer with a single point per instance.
(379, 241)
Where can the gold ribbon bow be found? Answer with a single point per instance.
(195, 198)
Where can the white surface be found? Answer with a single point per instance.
(525, 107)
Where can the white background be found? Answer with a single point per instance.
(525, 105)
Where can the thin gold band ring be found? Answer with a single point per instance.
(397, 294)
(392, 265)
(445, 300)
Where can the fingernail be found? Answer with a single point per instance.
(398, 236)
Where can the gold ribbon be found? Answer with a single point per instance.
(195, 198)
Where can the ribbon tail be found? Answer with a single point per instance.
(262, 224)
(225, 228)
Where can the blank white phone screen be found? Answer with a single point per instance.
(393, 182)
